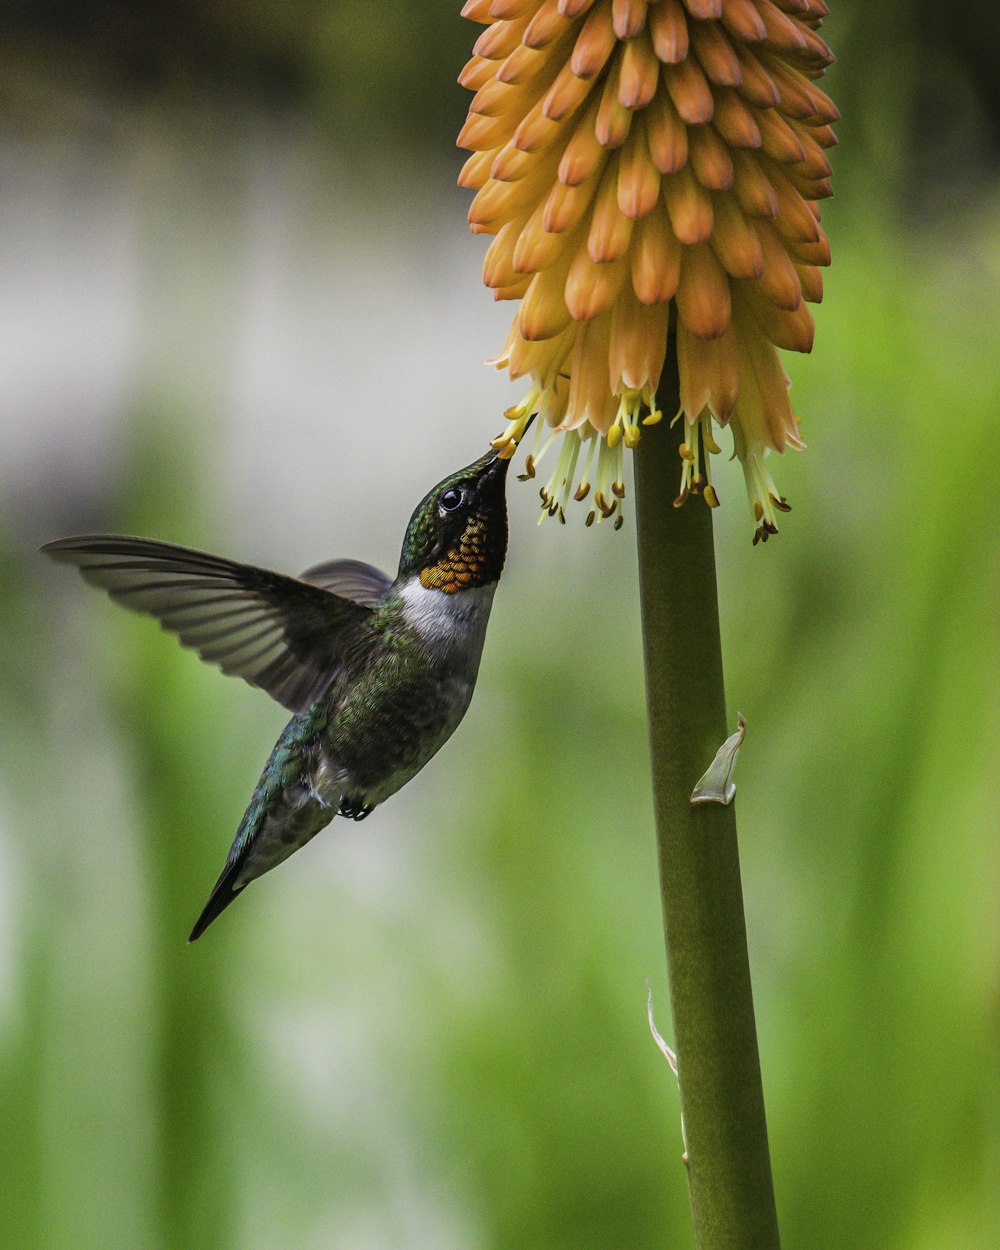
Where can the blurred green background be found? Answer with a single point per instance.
(240, 310)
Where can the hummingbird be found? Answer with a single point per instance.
(378, 671)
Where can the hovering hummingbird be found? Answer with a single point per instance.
(379, 672)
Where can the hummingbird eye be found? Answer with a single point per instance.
(451, 499)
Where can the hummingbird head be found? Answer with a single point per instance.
(457, 536)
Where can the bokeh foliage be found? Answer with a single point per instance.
(429, 1029)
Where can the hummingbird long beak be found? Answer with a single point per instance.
(496, 462)
(507, 450)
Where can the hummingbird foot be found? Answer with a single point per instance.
(355, 808)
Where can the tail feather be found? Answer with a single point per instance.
(225, 891)
(284, 812)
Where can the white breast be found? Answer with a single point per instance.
(453, 627)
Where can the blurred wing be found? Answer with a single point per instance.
(283, 635)
(353, 579)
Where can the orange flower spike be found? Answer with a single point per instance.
(651, 166)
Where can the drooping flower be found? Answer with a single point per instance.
(650, 169)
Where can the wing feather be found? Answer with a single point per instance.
(353, 579)
(282, 634)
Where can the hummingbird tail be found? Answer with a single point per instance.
(226, 891)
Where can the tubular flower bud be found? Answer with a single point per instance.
(650, 171)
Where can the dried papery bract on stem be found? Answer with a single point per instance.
(651, 167)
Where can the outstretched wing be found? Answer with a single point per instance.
(281, 634)
(363, 583)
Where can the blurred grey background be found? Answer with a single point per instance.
(240, 310)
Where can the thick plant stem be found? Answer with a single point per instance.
(732, 1195)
